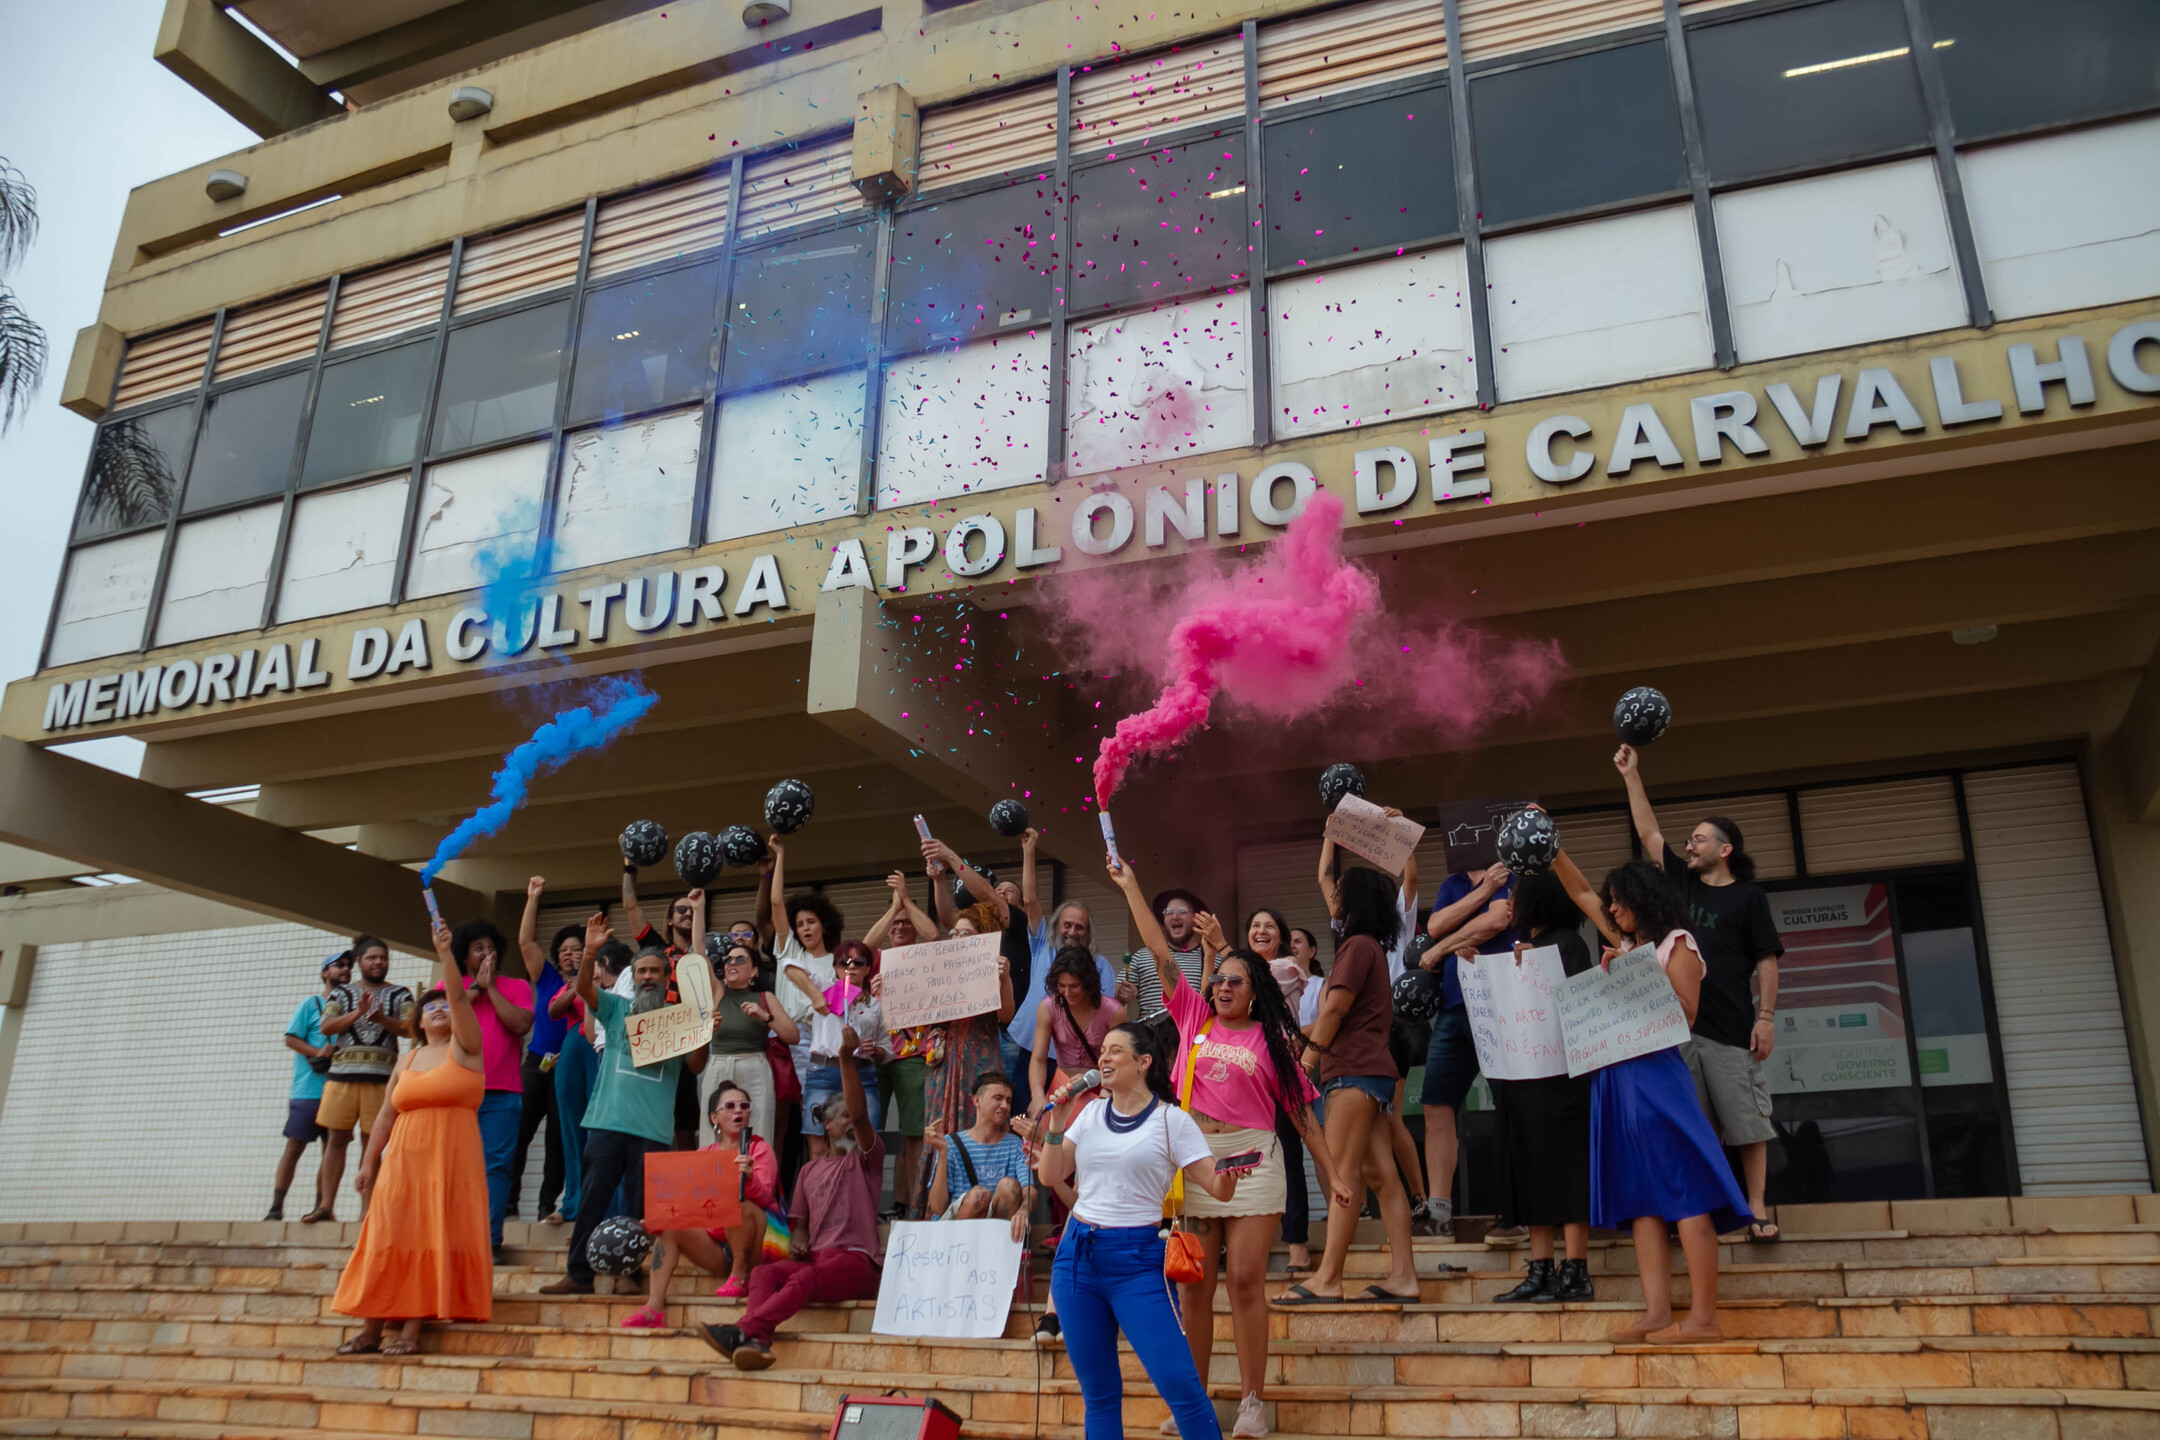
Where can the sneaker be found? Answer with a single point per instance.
(1251, 1420)
(753, 1355)
(1433, 1218)
(726, 1339)
(1047, 1329)
(567, 1286)
(1168, 1427)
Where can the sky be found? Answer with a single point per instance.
(86, 115)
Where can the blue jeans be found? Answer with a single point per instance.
(823, 1082)
(499, 1114)
(1016, 1070)
(576, 1069)
(1451, 1066)
(1106, 1280)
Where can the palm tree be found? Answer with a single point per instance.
(22, 342)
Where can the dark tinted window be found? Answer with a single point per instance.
(645, 344)
(367, 414)
(499, 377)
(135, 471)
(1817, 85)
(2011, 64)
(960, 267)
(799, 308)
(1363, 178)
(1569, 134)
(1161, 223)
(246, 447)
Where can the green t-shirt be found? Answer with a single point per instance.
(631, 1099)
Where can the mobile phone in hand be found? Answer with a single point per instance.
(1239, 1164)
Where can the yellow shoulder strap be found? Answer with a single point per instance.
(1174, 1202)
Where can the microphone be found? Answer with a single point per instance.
(1088, 1080)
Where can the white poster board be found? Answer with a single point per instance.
(948, 1279)
(944, 980)
(1514, 1017)
(1386, 840)
(1617, 1014)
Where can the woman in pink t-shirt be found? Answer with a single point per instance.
(1241, 1045)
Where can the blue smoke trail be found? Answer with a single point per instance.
(616, 704)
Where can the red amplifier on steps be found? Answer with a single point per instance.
(893, 1417)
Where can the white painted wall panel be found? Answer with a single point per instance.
(343, 550)
(2067, 221)
(1369, 342)
(965, 420)
(627, 489)
(1159, 385)
(219, 574)
(1838, 260)
(791, 455)
(106, 597)
(1598, 303)
(482, 504)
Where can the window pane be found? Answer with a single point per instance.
(246, 447)
(105, 597)
(1370, 177)
(1817, 85)
(799, 308)
(477, 513)
(367, 415)
(343, 548)
(2009, 64)
(961, 267)
(1588, 130)
(1160, 224)
(135, 471)
(499, 378)
(644, 344)
(220, 569)
(627, 489)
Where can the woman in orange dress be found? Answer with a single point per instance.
(423, 1251)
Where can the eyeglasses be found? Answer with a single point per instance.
(1229, 982)
(1177, 911)
(735, 1107)
(435, 1007)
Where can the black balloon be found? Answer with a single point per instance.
(1009, 817)
(964, 897)
(1528, 842)
(619, 1244)
(1339, 780)
(697, 859)
(644, 843)
(742, 845)
(788, 806)
(1642, 715)
(1418, 993)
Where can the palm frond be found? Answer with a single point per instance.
(22, 359)
(18, 216)
(131, 482)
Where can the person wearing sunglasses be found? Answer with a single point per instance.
(745, 1018)
(732, 1251)
(853, 996)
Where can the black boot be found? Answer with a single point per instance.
(1574, 1282)
(1536, 1288)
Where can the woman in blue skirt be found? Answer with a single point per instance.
(1653, 1156)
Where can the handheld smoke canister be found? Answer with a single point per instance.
(427, 893)
(922, 827)
(1109, 837)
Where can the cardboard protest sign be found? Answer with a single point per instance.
(1467, 828)
(1388, 841)
(944, 980)
(692, 1190)
(1514, 1017)
(950, 1279)
(1617, 1014)
(679, 1028)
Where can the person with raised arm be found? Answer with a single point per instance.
(972, 1044)
(744, 1017)
(736, 1249)
(915, 1049)
(1472, 911)
(423, 1251)
(504, 1006)
(577, 1065)
(536, 1063)
(982, 1172)
(805, 954)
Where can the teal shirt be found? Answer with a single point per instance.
(631, 1099)
(307, 1025)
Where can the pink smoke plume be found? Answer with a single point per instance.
(1301, 630)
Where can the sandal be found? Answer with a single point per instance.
(645, 1318)
(1763, 1232)
(361, 1345)
(1299, 1295)
(1378, 1295)
(401, 1346)
(319, 1213)
(732, 1289)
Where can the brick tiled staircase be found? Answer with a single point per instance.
(2029, 1319)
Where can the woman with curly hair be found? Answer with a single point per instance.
(971, 1044)
(805, 953)
(1070, 1023)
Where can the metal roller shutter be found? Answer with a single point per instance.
(1340, 50)
(1499, 27)
(265, 335)
(2065, 1060)
(1871, 827)
(1603, 840)
(679, 219)
(1281, 876)
(1143, 99)
(517, 263)
(396, 298)
(1106, 909)
(799, 185)
(1016, 131)
(162, 365)
(1765, 823)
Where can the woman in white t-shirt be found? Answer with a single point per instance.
(1109, 1277)
(805, 953)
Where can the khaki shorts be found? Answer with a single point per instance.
(1262, 1192)
(345, 1102)
(1729, 1082)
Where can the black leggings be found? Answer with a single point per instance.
(538, 1115)
(1297, 1210)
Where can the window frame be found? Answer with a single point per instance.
(1088, 314)
(953, 194)
(620, 279)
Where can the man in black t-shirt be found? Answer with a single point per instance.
(1729, 916)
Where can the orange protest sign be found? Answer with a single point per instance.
(692, 1190)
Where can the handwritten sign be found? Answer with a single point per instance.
(1514, 1017)
(950, 1279)
(944, 980)
(1386, 840)
(1617, 1014)
(692, 1190)
(679, 1028)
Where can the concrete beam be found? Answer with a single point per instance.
(425, 37)
(236, 72)
(93, 365)
(110, 822)
(2134, 750)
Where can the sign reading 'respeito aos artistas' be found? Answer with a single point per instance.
(1514, 1016)
(949, 1279)
(1616, 1014)
(948, 979)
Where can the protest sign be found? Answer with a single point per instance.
(1617, 1014)
(951, 1279)
(692, 1190)
(1514, 1019)
(1358, 824)
(944, 980)
(1467, 828)
(679, 1028)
